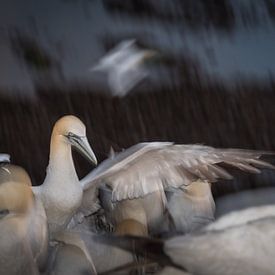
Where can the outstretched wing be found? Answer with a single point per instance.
(148, 167)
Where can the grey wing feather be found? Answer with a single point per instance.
(149, 167)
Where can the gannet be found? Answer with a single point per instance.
(132, 184)
(241, 242)
(61, 191)
(23, 224)
(124, 66)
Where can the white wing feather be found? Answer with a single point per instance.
(148, 167)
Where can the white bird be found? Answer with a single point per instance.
(238, 243)
(23, 224)
(132, 184)
(124, 66)
(61, 191)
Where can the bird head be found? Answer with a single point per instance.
(15, 190)
(73, 132)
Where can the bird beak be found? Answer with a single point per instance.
(83, 146)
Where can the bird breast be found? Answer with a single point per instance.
(60, 205)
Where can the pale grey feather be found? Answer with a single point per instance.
(149, 167)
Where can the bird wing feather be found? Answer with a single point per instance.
(150, 167)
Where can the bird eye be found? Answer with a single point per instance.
(71, 135)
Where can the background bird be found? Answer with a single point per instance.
(124, 66)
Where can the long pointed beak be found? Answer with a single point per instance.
(83, 146)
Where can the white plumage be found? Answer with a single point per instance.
(61, 191)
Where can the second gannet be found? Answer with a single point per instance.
(23, 224)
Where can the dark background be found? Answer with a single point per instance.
(193, 108)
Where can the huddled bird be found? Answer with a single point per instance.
(145, 190)
(241, 242)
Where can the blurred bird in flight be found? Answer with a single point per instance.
(125, 67)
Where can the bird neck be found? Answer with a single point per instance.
(61, 166)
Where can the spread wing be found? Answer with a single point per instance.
(148, 167)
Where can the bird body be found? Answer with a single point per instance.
(23, 225)
(191, 207)
(60, 193)
(142, 214)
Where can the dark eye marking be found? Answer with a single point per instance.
(73, 136)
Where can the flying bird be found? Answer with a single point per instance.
(124, 66)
